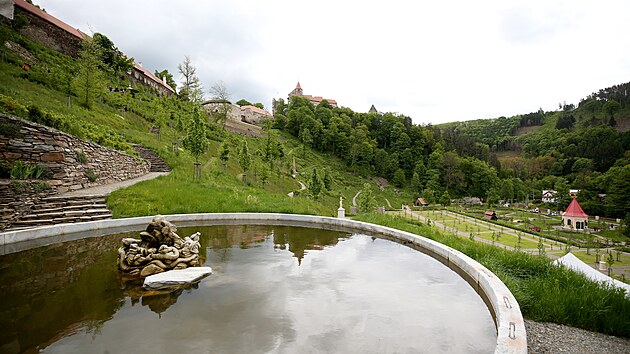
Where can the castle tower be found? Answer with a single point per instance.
(297, 91)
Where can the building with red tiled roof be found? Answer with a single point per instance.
(574, 217)
(60, 36)
(48, 18)
(315, 100)
(45, 28)
(145, 77)
(247, 114)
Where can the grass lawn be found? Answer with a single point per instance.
(624, 259)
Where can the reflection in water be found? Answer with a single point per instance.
(50, 292)
(221, 239)
(158, 300)
(362, 295)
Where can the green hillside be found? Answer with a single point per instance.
(117, 120)
(337, 152)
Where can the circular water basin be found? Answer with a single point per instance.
(274, 288)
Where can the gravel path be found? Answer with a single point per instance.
(545, 337)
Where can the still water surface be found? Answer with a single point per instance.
(274, 289)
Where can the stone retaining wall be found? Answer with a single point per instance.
(505, 310)
(50, 35)
(61, 154)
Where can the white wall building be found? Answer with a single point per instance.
(549, 196)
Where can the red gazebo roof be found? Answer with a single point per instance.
(574, 209)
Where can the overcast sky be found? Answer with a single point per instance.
(435, 61)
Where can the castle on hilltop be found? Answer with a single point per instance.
(297, 91)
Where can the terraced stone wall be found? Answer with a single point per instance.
(71, 163)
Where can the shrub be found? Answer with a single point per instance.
(35, 114)
(24, 170)
(18, 187)
(9, 105)
(21, 170)
(40, 186)
(91, 176)
(19, 21)
(106, 137)
(41, 172)
(81, 158)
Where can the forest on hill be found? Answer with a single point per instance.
(581, 147)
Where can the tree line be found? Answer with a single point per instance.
(460, 159)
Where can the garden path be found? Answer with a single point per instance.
(109, 188)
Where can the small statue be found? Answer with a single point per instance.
(159, 249)
(340, 202)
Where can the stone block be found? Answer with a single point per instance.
(52, 157)
(19, 143)
(11, 156)
(45, 147)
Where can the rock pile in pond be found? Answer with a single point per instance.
(159, 249)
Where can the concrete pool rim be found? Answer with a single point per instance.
(511, 336)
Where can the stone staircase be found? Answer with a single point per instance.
(157, 164)
(64, 209)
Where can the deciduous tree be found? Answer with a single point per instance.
(165, 75)
(366, 201)
(221, 94)
(224, 154)
(196, 141)
(244, 159)
(90, 79)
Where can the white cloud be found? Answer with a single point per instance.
(432, 60)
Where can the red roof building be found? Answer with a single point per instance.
(315, 100)
(574, 217)
(48, 18)
(143, 76)
(60, 36)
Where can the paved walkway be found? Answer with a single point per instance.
(108, 188)
(302, 187)
(354, 200)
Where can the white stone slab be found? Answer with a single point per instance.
(176, 277)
